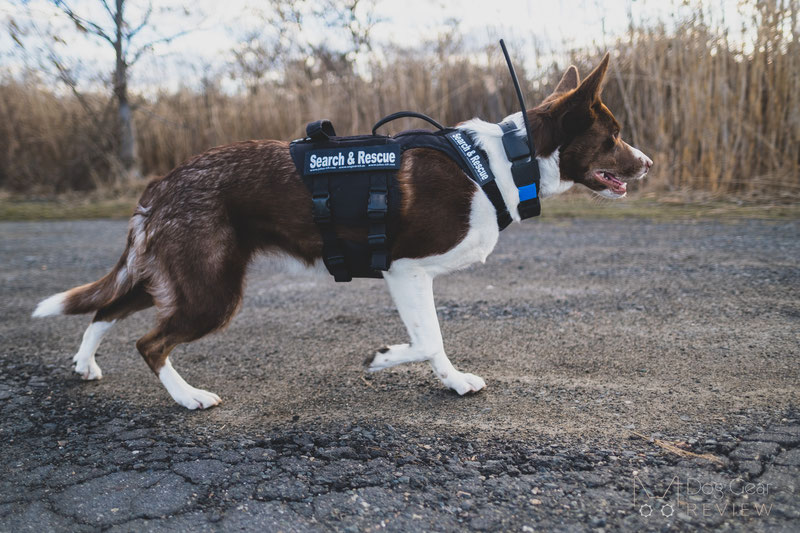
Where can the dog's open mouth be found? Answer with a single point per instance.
(608, 179)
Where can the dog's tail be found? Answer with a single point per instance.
(94, 296)
(83, 299)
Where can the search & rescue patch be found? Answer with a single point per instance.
(352, 158)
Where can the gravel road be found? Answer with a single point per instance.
(615, 354)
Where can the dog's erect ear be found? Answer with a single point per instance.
(564, 115)
(591, 87)
(568, 81)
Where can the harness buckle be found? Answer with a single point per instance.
(376, 240)
(376, 207)
(380, 261)
(335, 260)
(337, 266)
(321, 208)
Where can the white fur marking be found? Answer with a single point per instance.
(287, 264)
(85, 364)
(551, 183)
(611, 195)
(53, 305)
(122, 276)
(640, 155)
(182, 392)
(646, 162)
(137, 250)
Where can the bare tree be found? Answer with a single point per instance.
(275, 39)
(117, 30)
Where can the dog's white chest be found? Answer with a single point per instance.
(475, 247)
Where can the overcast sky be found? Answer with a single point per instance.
(550, 24)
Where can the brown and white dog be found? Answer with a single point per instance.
(195, 230)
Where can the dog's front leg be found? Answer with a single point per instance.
(412, 290)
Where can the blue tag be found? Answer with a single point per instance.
(527, 192)
(383, 157)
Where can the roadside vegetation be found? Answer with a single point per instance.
(719, 115)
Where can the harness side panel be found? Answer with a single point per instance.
(348, 168)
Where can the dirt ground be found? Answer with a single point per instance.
(601, 342)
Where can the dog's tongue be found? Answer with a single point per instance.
(616, 185)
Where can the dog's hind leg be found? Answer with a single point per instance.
(103, 320)
(412, 290)
(202, 299)
(155, 347)
(84, 361)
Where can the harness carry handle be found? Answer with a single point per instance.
(404, 114)
(320, 130)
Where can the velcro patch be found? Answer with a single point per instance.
(383, 157)
(476, 161)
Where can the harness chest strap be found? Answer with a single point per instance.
(480, 173)
(332, 254)
(377, 207)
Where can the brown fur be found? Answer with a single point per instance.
(197, 228)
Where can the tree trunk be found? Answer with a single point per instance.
(126, 151)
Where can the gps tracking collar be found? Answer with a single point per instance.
(522, 154)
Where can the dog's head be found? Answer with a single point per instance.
(575, 121)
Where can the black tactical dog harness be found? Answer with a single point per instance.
(352, 183)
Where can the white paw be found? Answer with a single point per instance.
(182, 392)
(388, 357)
(192, 398)
(88, 369)
(464, 383)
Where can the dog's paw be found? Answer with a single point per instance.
(387, 357)
(88, 369)
(192, 398)
(464, 383)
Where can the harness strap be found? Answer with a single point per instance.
(493, 193)
(332, 254)
(377, 206)
(476, 160)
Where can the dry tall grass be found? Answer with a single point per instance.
(715, 114)
(718, 115)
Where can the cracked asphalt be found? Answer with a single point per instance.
(641, 376)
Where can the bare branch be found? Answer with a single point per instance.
(149, 46)
(66, 77)
(108, 9)
(82, 23)
(144, 23)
